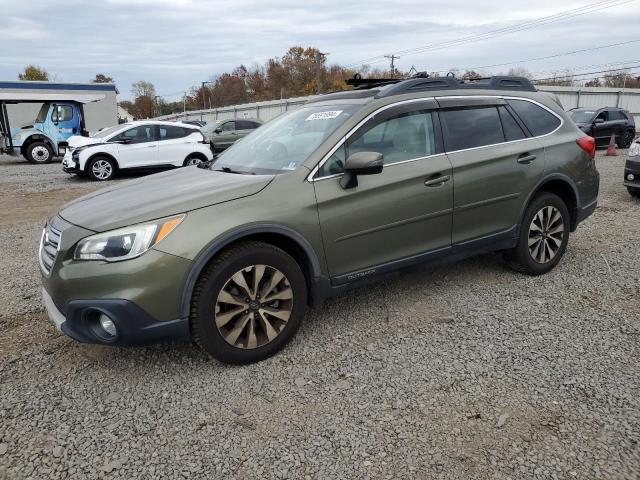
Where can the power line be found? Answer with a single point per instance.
(560, 77)
(556, 55)
(560, 16)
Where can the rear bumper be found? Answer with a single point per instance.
(134, 325)
(585, 212)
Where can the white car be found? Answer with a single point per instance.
(136, 145)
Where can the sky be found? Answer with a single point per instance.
(176, 44)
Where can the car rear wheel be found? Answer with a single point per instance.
(248, 303)
(101, 169)
(193, 160)
(39, 152)
(544, 235)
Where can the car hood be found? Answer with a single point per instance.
(158, 196)
(76, 141)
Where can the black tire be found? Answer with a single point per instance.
(521, 258)
(217, 275)
(634, 192)
(626, 139)
(95, 171)
(193, 160)
(39, 152)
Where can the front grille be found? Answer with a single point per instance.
(49, 246)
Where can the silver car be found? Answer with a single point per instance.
(222, 134)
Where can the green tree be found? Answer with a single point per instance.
(34, 72)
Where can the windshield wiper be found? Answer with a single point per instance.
(230, 170)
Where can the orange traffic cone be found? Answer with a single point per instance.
(611, 149)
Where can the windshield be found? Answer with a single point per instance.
(582, 116)
(107, 131)
(286, 142)
(42, 114)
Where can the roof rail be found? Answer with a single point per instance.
(453, 83)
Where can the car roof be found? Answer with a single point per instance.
(160, 122)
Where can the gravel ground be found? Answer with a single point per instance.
(466, 371)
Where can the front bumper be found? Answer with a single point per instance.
(70, 165)
(632, 167)
(134, 326)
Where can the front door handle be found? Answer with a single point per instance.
(526, 158)
(436, 182)
(151, 146)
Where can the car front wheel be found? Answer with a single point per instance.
(544, 235)
(634, 192)
(248, 303)
(39, 152)
(101, 169)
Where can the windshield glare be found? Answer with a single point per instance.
(283, 144)
(582, 116)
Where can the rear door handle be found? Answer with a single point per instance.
(526, 158)
(436, 182)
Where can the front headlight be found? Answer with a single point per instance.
(125, 243)
(634, 150)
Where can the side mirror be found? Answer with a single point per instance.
(361, 163)
(598, 121)
(217, 130)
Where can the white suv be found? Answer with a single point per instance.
(136, 145)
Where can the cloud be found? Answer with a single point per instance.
(179, 43)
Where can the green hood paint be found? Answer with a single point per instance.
(158, 196)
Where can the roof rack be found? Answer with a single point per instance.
(422, 82)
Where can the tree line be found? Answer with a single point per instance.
(299, 72)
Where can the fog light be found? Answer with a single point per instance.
(631, 177)
(107, 325)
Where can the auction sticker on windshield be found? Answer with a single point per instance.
(324, 115)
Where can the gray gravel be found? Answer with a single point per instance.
(465, 371)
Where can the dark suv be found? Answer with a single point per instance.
(346, 188)
(601, 123)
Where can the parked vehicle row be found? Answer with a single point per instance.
(136, 145)
(221, 134)
(349, 187)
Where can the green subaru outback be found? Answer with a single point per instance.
(348, 187)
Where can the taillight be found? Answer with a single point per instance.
(588, 144)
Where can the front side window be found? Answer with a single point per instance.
(538, 120)
(284, 143)
(602, 116)
(140, 134)
(582, 116)
(403, 137)
(62, 113)
(229, 126)
(471, 127)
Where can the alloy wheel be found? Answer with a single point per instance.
(253, 306)
(102, 169)
(40, 154)
(546, 233)
(194, 161)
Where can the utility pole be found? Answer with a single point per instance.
(204, 105)
(156, 105)
(319, 56)
(393, 57)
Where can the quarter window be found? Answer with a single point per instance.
(538, 120)
(471, 127)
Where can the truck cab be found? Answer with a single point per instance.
(47, 136)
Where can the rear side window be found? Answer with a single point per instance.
(170, 133)
(616, 115)
(538, 120)
(512, 130)
(471, 127)
(245, 125)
